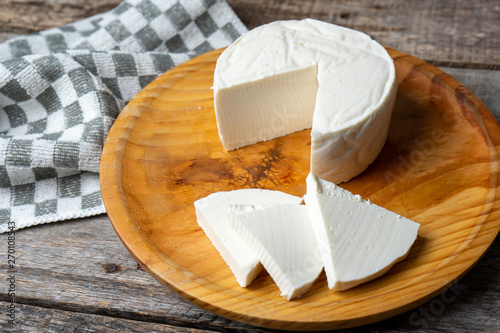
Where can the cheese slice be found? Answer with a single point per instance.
(212, 216)
(282, 238)
(358, 240)
(290, 75)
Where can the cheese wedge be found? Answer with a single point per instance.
(358, 240)
(287, 76)
(212, 216)
(282, 238)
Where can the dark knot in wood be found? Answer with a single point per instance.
(110, 268)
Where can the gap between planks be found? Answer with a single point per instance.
(33, 318)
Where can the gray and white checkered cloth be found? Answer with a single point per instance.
(61, 90)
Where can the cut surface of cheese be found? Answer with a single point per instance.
(212, 216)
(287, 76)
(358, 240)
(282, 238)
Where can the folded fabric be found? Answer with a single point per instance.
(61, 90)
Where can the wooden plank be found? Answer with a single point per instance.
(38, 319)
(21, 17)
(484, 83)
(448, 33)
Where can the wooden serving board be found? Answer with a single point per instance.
(439, 167)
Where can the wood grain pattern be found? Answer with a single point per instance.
(483, 83)
(446, 33)
(439, 168)
(41, 319)
(22, 17)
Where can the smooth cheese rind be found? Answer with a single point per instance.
(260, 92)
(340, 155)
(360, 241)
(282, 238)
(212, 216)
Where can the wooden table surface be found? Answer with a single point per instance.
(76, 276)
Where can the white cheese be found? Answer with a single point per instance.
(212, 216)
(282, 238)
(358, 240)
(290, 75)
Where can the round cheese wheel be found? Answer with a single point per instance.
(287, 76)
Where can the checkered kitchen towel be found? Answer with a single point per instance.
(61, 89)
